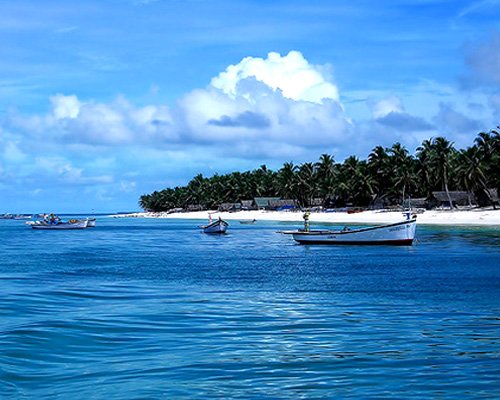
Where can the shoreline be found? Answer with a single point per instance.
(478, 217)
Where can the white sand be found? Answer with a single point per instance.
(435, 217)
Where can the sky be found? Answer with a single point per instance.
(102, 101)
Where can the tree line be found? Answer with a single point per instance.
(391, 173)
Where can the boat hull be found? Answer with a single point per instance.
(216, 227)
(399, 234)
(60, 226)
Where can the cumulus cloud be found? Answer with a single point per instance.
(259, 110)
(65, 106)
(62, 170)
(292, 74)
(247, 119)
(262, 101)
(391, 104)
(390, 112)
(405, 122)
(71, 120)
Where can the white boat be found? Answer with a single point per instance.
(46, 225)
(218, 226)
(400, 233)
(90, 222)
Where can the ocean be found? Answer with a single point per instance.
(155, 309)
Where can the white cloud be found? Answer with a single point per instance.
(127, 186)
(62, 170)
(292, 74)
(384, 107)
(65, 106)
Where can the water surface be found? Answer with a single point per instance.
(150, 308)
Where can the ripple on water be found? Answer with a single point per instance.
(155, 309)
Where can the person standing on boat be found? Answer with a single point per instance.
(306, 221)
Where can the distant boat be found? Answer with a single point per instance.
(400, 233)
(248, 221)
(47, 225)
(91, 222)
(218, 226)
(22, 216)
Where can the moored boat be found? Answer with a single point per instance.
(248, 221)
(46, 225)
(218, 226)
(399, 233)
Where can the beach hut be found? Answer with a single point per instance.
(263, 203)
(487, 197)
(419, 202)
(283, 204)
(248, 205)
(194, 207)
(458, 198)
(231, 207)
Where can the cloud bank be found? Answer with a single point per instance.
(260, 110)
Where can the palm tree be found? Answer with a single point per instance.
(326, 172)
(287, 180)
(306, 184)
(404, 178)
(196, 189)
(424, 166)
(442, 154)
(379, 168)
(355, 183)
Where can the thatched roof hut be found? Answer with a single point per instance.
(263, 203)
(247, 205)
(230, 207)
(283, 204)
(458, 198)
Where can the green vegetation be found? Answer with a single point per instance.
(389, 174)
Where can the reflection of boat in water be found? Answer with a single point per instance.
(248, 221)
(400, 233)
(218, 226)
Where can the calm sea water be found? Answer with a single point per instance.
(155, 309)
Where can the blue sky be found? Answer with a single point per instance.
(104, 100)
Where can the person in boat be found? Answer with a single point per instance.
(306, 221)
(54, 219)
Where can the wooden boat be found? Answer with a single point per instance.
(400, 233)
(218, 226)
(47, 225)
(248, 221)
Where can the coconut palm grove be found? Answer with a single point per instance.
(388, 176)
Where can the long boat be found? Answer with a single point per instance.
(44, 225)
(218, 226)
(400, 233)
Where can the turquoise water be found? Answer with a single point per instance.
(154, 309)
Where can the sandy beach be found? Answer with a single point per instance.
(479, 217)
